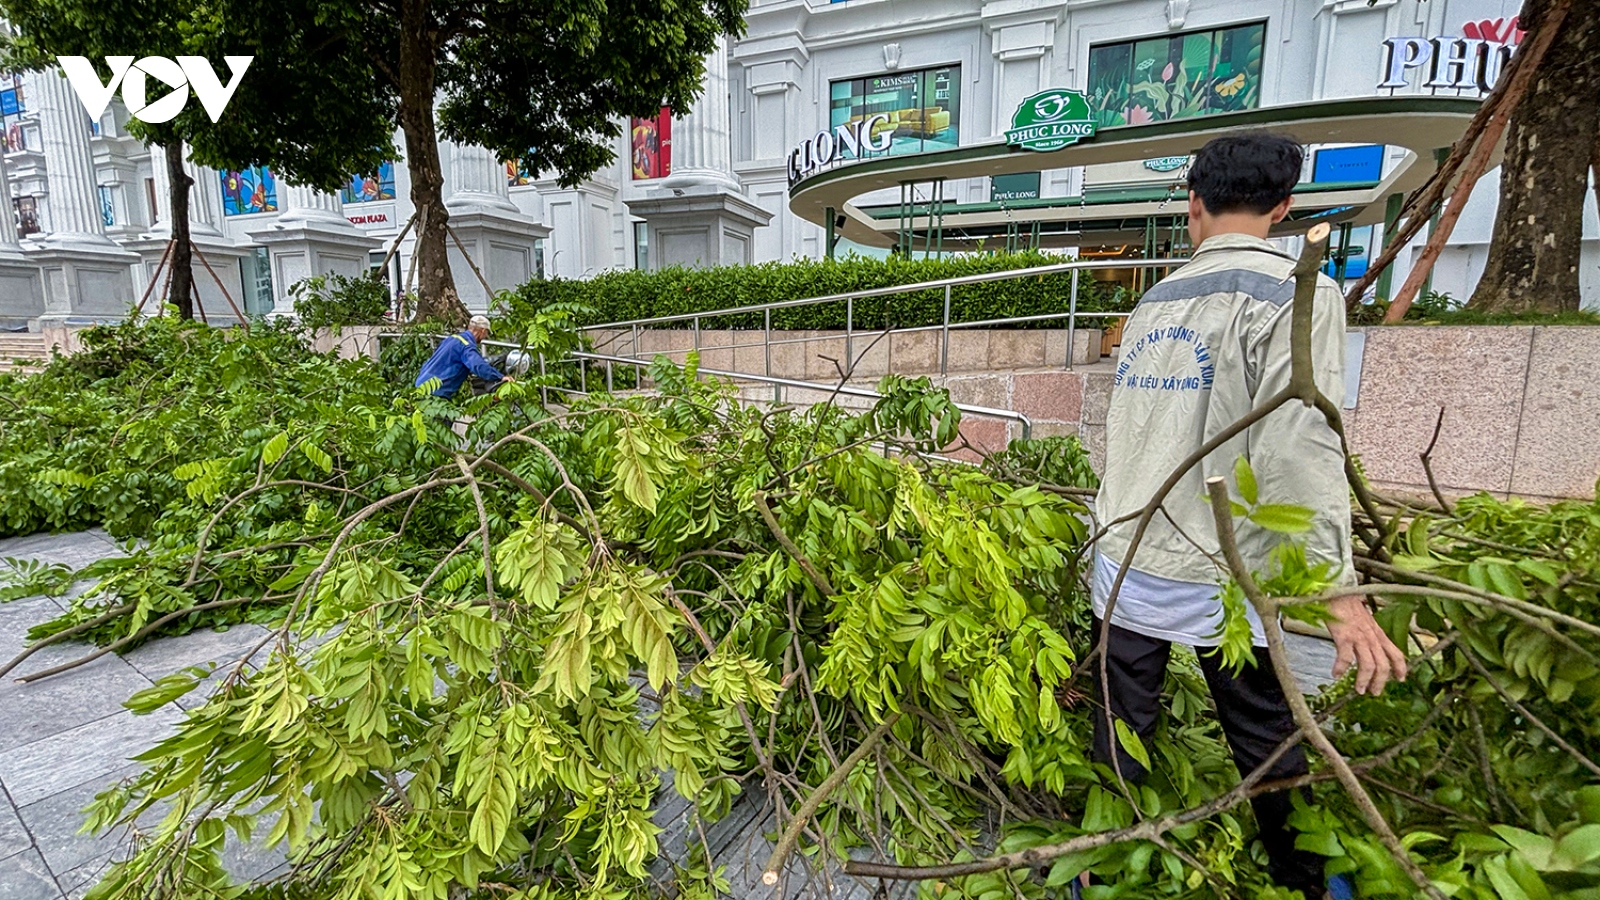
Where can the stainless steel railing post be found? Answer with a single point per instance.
(944, 349)
(766, 341)
(1072, 318)
(849, 331)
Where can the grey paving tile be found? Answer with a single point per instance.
(167, 655)
(77, 549)
(13, 837)
(77, 882)
(92, 751)
(54, 823)
(25, 877)
(252, 862)
(44, 709)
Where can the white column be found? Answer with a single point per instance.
(477, 180)
(205, 196)
(205, 199)
(298, 203)
(69, 163)
(702, 152)
(9, 246)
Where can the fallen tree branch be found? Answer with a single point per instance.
(1267, 610)
(791, 835)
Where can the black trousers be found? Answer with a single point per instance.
(1255, 718)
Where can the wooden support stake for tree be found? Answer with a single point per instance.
(154, 273)
(1419, 207)
(1478, 162)
(395, 248)
(488, 292)
(220, 286)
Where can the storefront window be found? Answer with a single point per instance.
(652, 146)
(1177, 76)
(11, 110)
(923, 109)
(367, 188)
(246, 191)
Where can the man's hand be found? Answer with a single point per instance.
(1358, 639)
(506, 379)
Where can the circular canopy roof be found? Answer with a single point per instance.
(1420, 125)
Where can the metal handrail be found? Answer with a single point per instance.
(1052, 269)
(845, 390)
(634, 326)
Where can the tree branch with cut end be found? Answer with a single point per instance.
(1267, 609)
(791, 835)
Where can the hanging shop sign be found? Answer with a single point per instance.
(1166, 163)
(846, 141)
(1050, 120)
(1471, 62)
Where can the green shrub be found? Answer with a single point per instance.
(621, 296)
(329, 301)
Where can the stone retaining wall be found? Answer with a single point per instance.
(1521, 407)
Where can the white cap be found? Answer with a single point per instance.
(479, 322)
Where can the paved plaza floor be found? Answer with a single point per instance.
(65, 738)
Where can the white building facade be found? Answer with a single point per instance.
(712, 187)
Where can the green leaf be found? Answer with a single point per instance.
(318, 456)
(1132, 745)
(275, 448)
(1246, 479)
(1282, 518)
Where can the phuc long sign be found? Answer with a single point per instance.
(847, 141)
(1473, 62)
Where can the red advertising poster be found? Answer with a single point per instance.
(652, 146)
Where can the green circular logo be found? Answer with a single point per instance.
(1050, 120)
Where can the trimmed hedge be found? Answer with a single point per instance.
(619, 296)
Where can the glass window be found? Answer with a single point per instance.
(12, 108)
(255, 274)
(923, 108)
(367, 188)
(538, 258)
(652, 146)
(641, 246)
(108, 212)
(519, 174)
(27, 215)
(246, 191)
(1177, 76)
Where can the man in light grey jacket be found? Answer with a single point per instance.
(1201, 350)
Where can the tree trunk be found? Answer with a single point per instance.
(437, 297)
(180, 292)
(1538, 233)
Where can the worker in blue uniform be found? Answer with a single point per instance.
(457, 357)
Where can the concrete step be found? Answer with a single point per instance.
(23, 346)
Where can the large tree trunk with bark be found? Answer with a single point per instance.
(437, 297)
(1538, 234)
(180, 291)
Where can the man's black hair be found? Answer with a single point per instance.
(1246, 172)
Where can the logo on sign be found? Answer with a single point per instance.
(1166, 163)
(1473, 62)
(1050, 120)
(846, 141)
(134, 77)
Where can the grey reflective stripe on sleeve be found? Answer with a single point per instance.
(1255, 284)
